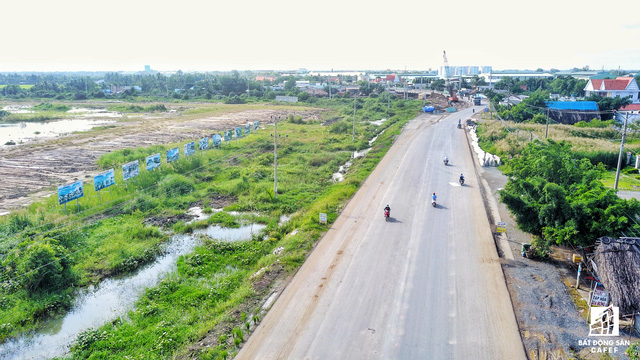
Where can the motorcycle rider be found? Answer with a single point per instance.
(387, 209)
(433, 197)
(461, 178)
(446, 160)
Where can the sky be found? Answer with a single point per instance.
(198, 35)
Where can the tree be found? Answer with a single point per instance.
(290, 84)
(558, 196)
(365, 88)
(438, 84)
(607, 105)
(477, 81)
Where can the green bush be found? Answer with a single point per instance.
(339, 127)
(51, 107)
(175, 185)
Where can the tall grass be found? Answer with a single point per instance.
(507, 138)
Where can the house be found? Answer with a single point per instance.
(631, 112)
(392, 79)
(620, 87)
(315, 92)
(265, 78)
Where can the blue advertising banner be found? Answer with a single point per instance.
(153, 161)
(130, 170)
(204, 143)
(227, 135)
(256, 125)
(247, 129)
(217, 139)
(189, 148)
(238, 132)
(70, 192)
(104, 179)
(173, 154)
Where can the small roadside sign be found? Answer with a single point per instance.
(599, 298)
(502, 227)
(323, 218)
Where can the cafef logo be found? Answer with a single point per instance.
(605, 321)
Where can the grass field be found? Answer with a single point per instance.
(213, 290)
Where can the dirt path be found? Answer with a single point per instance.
(31, 171)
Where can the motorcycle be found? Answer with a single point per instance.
(461, 181)
(386, 215)
(433, 203)
(459, 126)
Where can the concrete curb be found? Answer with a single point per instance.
(491, 206)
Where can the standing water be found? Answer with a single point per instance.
(112, 299)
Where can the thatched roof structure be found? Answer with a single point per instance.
(618, 263)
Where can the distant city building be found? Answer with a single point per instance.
(618, 87)
(456, 71)
(493, 77)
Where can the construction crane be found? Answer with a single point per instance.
(448, 84)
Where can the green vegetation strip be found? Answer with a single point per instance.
(216, 289)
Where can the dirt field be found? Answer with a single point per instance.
(33, 170)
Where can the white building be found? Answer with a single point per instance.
(620, 86)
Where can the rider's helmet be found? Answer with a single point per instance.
(387, 205)
(434, 193)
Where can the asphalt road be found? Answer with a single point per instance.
(425, 285)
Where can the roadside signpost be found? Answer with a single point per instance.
(323, 218)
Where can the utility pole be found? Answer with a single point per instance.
(353, 137)
(546, 131)
(624, 131)
(275, 159)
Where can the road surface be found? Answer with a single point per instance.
(425, 285)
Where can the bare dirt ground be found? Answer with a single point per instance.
(31, 171)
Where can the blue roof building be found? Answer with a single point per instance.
(571, 112)
(573, 105)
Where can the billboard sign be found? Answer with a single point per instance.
(204, 143)
(217, 139)
(70, 192)
(153, 161)
(130, 170)
(173, 154)
(256, 125)
(238, 132)
(247, 129)
(104, 180)
(190, 148)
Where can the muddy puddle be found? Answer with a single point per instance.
(24, 132)
(112, 299)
